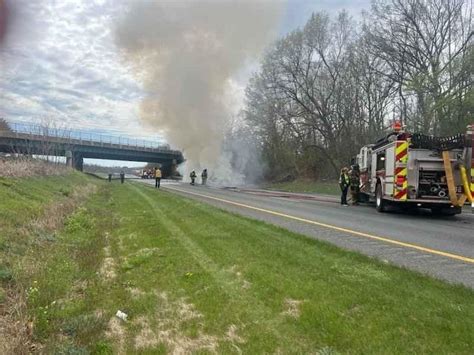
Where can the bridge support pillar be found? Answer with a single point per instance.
(78, 162)
(69, 158)
(74, 160)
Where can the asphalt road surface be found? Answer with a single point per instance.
(442, 247)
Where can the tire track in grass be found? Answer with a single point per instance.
(221, 277)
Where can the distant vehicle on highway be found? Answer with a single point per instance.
(147, 174)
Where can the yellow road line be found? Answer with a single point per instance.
(330, 226)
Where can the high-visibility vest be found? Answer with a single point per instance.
(344, 179)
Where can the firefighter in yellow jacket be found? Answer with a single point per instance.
(157, 177)
(344, 183)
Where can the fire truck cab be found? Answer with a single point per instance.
(415, 170)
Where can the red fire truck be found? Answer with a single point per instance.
(416, 170)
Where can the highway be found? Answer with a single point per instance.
(442, 247)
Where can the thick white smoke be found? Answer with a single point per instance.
(187, 54)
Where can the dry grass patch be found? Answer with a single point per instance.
(116, 332)
(234, 339)
(109, 266)
(292, 308)
(107, 269)
(30, 167)
(176, 342)
(231, 334)
(166, 328)
(16, 328)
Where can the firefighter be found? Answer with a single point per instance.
(204, 176)
(157, 177)
(344, 183)
(122, 177)
(355, 183)
(192, 176)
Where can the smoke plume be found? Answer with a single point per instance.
(187, 55)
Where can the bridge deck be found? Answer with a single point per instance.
(75, 147)
(85, 142)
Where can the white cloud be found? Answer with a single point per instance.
(60, 63)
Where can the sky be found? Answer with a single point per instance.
(59, 63)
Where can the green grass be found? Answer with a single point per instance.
(197, 279)
(306, 186)
(38, 265)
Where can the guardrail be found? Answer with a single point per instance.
(45, 134)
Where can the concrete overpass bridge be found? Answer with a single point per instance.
(20, 138)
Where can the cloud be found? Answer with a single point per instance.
(60, 63)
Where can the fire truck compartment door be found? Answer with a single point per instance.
(389, 169)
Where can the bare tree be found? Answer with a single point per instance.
(421, 41)
(306, 79)
(4, 126)
(377, 91)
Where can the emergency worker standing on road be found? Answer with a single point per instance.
(344, 183)
(355, 184)
(157, 177)
(122, 177)
(192, 176)
(204, 176)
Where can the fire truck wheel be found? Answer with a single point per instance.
(380, 203)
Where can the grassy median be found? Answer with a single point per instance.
(192, 278)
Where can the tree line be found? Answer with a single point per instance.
(326, 89)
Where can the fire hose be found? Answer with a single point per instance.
(457, 202)
(465, 184)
